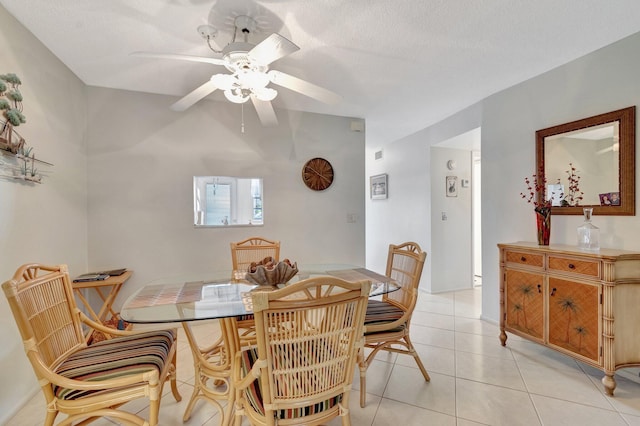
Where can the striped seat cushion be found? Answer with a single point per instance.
(246, 317)
(118, 357)
(253, 393)
(379, 312)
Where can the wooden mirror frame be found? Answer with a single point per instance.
(626, 157)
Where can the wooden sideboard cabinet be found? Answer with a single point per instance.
(581, 303)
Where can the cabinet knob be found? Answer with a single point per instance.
(553, 291)
(523, 259)
(572, 266)
(539, 288)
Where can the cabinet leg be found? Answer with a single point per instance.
(503, 337)
(609, 383)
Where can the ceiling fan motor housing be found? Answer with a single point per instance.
(236, 56)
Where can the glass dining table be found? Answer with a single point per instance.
(225, 296)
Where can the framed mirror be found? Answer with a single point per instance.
(227, 201)
(590, 163)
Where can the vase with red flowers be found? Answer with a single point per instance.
(536, 195)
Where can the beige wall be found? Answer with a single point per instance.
(142, 160)
(44, 223)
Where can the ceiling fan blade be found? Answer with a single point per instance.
(265, 112)
(194, 96)
(304, 87)
(272, 48)
(213, 61)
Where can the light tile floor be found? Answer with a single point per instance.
(474, 380)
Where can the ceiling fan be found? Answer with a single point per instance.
(250, 74)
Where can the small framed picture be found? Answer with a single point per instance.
(378, 186)
(615, 198)
(605, 199)
(452, 186)
(610, 199)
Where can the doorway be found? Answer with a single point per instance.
(456, 260)
(476, 224)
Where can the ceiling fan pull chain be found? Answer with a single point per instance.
(242, 122)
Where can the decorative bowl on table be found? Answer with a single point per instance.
(270, 273)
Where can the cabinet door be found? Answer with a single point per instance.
(574, 312)
(524, 302)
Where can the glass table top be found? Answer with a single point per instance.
(224, 294)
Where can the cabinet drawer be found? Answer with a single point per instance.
(524, 258)
(575, 266)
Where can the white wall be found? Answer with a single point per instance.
(602, 81)
(142, 159)
(406, 214)
(405, 187)
(451, 262)
(43, 223)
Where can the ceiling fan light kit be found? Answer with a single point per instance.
(250, 73)
(223, 81)
(236, 96)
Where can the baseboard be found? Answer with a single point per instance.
(17, 407)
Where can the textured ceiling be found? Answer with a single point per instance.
(400, 64)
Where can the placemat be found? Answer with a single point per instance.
(155, 295)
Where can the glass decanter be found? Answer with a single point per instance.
(588, 233)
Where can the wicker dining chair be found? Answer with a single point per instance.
(86, 382)
(309, 334)
(387, 321)
(243, 253)
(253, 249)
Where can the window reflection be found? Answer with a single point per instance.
(227, 201)
(593, 152)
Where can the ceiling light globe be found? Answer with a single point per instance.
(266, 94)
(223, 81)
(253, 79)
(236, 96)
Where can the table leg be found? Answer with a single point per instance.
(107, 302)
(229, 327)
(91, 313)
(105, 309)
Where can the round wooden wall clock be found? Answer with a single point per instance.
(317, 174)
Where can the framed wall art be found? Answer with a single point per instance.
(452, 186)
(378, 187)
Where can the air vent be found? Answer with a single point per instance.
(357, 126)
(378, 155)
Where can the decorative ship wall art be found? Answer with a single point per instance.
(18, 161)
